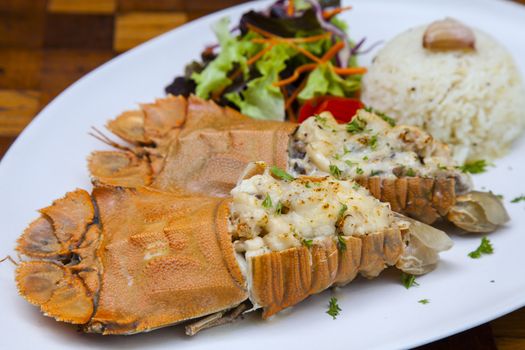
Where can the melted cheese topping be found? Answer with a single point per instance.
(371, 148)
(269, 214)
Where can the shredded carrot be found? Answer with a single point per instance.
(259, 54)
(310, 66)
(308, 39)
(349, 71)
(290, 9)
(333, 51)
(272, 39)
(305, 52)
(260, 31)
(296, 74)
(331, 13)
(236, 73)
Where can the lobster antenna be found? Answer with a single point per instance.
(9, 258)
(99, 135)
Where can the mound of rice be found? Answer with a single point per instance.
(474, 100)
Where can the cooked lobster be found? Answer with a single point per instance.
(127, 260)
(197, 146)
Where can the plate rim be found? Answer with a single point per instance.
(41, 117)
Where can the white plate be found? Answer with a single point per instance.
(48, 159)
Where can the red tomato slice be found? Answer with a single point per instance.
(342, 108)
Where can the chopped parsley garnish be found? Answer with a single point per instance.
(356, 125)
(387, 119)
(345, 150)
(333, 308)
(267, 203)
(375, 172)
(485, 247)
(424, 301)
(408, 280)
(373, 142)
(341, 243)
(365, 158)
(320, 120)
(281, 174)
(356, 186)
(335, 171)
(476, 167)
(279, 208)
(307, 185)
(442, 167)
(307, 242)
(410, 172)
(342, 212)
(518, 199)
(383, 116)
(350, 163)
(337, 157)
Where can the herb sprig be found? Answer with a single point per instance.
(410, 172)
(267, 202)
(356, 125)
(335, 171)
(373, 142)
(485, 247)
(476, 167)
(307, 242)
(281, 174)
(342, 212)
(341, 243)
(333, 308)
(382, 115)
(320, 120)
(408, 280)
(424, 301)
(518, 199)
(279, 208)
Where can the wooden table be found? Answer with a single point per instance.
(45, 45)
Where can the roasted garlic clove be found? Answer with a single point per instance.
(448, 34)
(478, 212)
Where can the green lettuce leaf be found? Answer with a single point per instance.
(324, 81)
(233, 52)
(262, 100)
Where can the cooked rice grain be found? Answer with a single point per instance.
(473, 100)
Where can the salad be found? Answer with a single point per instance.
(283, 63)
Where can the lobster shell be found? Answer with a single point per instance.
(424, 199)
(282, 279)
(187, 144)
(123, 261)
(196, 146)
(139, 262)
